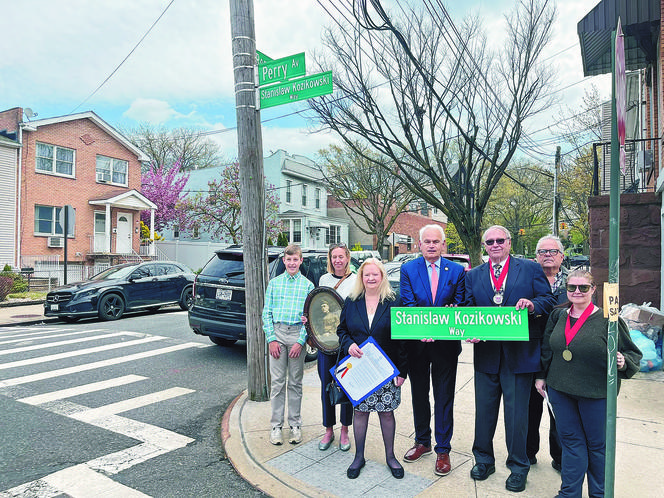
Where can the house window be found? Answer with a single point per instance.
(194, 233)
(111, 170)
(176, 232)
(317, 198)
(304, 195)
(297, 231)
(47, 221)
(53, 159)
(289, 185)
(333, 235)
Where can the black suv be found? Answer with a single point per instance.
(219, 303)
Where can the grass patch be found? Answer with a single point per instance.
(34, 295)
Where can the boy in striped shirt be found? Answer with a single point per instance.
(283, 324)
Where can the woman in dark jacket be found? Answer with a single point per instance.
(574, 361)
(366, 313)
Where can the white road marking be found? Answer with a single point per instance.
(40, 335)
(81, 480)
(84, 389)
(79, 352)
(46, 345)
(129, 404)
(97, 364)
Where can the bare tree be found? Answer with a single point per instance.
(372, 196)
(436, 99)
(189, 146)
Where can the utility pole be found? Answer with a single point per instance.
(252, 191)
(556, 201)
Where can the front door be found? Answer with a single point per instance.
(123, 233)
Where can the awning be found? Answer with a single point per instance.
(640, 23)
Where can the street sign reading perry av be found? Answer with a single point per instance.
(281, 69)
(298, 89)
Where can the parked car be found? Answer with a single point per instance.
(362, 255)
(400, 259)
(576, 261)
(128, 287)
(219, 310)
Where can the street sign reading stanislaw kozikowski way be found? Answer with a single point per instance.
(479, 322)
(294, 90)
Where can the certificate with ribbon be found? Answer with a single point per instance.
(361, 377)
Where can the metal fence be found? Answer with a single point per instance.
(640, 166)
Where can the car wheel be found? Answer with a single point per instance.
(111, 307)
(70, 319)
(220, 341)
(312, 353)
(187, 299)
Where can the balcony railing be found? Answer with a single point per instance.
(640, 167)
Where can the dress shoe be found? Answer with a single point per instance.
(516, 482)
(532, 460)
(443, 465)
(556, 465)
(354, 473)
(344, 447)
(416, 452)
(324, 446)
(397, 472)
(482, 470)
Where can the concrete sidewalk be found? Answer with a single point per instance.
(23, 313)
(304, 470)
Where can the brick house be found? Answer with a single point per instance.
(81, 161)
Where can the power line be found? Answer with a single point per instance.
(123, 60)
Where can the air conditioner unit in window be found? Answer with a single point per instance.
(56, 242)
(103, 177)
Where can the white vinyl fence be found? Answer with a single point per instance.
(190, 253)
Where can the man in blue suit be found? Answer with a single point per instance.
(505, 368)
(432, 281)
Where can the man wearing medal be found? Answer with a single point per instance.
(505, 368)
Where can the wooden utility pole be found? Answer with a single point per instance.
(556, 196)
(252, 191)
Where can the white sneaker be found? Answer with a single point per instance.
(275, 436)
(295, 435)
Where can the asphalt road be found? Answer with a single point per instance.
(126, 408)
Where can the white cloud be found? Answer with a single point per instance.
(152, 111)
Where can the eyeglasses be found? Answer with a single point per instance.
(582, 288)
(500, 242)
(552, 252)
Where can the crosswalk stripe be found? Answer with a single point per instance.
(97, 364)
(79, 352)
(78, 390)
(46, 345)
(48, 335)
(129, 404)
(81, 480)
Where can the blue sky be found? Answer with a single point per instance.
(56, 53)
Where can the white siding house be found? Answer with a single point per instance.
(8, 202)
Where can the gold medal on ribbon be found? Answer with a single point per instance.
(567, 355)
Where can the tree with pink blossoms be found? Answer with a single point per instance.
(217, 211)
(163, 186)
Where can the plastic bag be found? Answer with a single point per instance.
(650, 360)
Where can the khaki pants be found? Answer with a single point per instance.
(286, 375)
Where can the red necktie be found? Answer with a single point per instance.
(434, 282)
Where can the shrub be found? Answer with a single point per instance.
(19, 283)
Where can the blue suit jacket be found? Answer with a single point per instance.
(415, 290)
(354, 328)
(525, 279)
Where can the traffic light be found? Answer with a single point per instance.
(522, 231)
(563, 225)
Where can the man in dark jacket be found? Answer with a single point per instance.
(505, 368)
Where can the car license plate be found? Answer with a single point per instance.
(55, 307)
(224, 294)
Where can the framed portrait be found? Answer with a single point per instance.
(323, 311)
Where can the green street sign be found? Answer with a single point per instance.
(491, 323)
(261, 58)
(294, 90)
(282, 69)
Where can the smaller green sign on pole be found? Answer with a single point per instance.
(281, 69)
(297, 89)
(493, 323)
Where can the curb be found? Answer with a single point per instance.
(11, 304)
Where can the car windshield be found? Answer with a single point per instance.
(114, 273)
